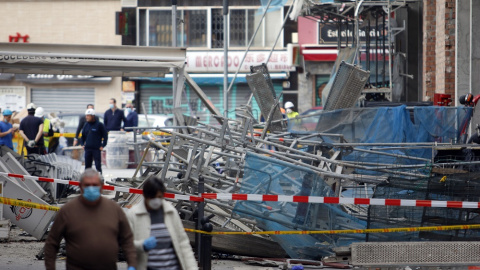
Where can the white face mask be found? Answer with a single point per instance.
(155, 203)
(289, 110)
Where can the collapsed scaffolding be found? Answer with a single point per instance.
(396, 153)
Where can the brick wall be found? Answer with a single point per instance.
(450, 47)
(439, 47)
(429, 42)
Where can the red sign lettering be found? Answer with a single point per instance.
(18, 37)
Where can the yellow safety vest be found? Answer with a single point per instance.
(292, 116)
(46, 129)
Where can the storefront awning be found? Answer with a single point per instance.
(322, 54)
(211, 78)
(89, 59)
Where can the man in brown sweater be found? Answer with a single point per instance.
(93, 227)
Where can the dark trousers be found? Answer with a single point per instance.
(93, 155)
(40, 150)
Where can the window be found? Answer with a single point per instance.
(273, 24)
(238, 28)
(217, 28)
(198, 28)
(195, 28)
(160, 28)
(253, 20)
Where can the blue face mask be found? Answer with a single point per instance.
(111, 106)
(91, 193)
(129, 110)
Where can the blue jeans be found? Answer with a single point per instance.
(93, 155)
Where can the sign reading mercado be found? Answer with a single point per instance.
(212, 61)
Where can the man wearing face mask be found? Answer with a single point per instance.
(94, 139)
(93, 227)
(113, 117)
(159, 236)
(131, 116)
(81, 124)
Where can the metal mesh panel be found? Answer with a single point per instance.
(262, 90)
(264, 71)
(347, 87)
(416, 253)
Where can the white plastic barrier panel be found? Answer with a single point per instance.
(33, 221)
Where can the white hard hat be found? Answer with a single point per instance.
(31, 106)
(288, 104)
(90, 112)
(39, 112)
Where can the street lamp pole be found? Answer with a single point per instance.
(225, 57)
(174, 44)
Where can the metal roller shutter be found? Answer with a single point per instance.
(63, 100)
(157, 99)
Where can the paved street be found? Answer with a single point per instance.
(19, 253)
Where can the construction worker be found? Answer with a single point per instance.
(47, 127)
(291, 114)
(6, 133)
(289, 109)
(94, 139)
(81, 123)
(31, 130)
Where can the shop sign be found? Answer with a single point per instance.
(51, 78)
(329, 34)
(13, 97)
(18, 37)
(213, 61)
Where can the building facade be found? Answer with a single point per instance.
(89, 22)
(200, 29)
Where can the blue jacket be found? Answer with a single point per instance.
(7, 139)
(113, 120)
(131, 120)
(94, 135)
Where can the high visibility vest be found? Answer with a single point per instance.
(46, 129)
(292, 116)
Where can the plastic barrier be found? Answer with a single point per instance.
(117, 150)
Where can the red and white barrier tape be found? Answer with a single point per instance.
(272, 198)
